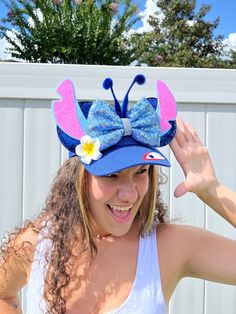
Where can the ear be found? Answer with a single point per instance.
(167, 106)
(154, 102)
(68, 142)
(67, 112)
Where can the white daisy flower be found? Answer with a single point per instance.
(88, 150)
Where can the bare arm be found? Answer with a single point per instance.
(12, 279)
(10, 306)
(200, 177)
(222, 200)
(187, 251)
(210, 256)
(12, 276)
(15, 267)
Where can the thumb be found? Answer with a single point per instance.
(180, 190)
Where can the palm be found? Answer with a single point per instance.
(194, 159)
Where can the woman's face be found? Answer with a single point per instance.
(115, 199)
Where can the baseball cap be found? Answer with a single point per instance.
(110, 138)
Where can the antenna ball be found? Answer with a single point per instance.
(140, 79)
(107, 83)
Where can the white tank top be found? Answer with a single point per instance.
(146, 293)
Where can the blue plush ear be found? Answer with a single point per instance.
(167, 111)
(167, 106)
(68, 115)
(167, 137)
(67, 141)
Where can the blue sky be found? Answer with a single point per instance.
(225, 9)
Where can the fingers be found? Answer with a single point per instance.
(179, 136)
(185, 133)
(184, 130)
(176, 149)
(193, 133)
(180, 190)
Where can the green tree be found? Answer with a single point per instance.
(70, 31)
(230, 61)
(233, 58)
(180, 36)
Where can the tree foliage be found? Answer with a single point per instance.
(98, 32)
(180, 36)
(70, 31)
(229, 59)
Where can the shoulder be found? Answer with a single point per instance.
(179, 232)
(186, 251)
(15, 261)
(173, 238)
(179, 243)
(181, 237)
(175, 244)
(186, 245)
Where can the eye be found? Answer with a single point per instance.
(112, 175)
(143, 170)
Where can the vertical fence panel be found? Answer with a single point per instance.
(11, 150)
(221, 131)
(189, 295)
(41, 155)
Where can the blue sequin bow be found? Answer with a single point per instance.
(142, 123)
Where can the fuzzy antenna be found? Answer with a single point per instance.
(140, 80)
(108, 84)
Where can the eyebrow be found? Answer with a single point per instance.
(141, 167)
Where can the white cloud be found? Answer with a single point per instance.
(1, 49)
(190, 22)
(3, 45)
(230, 42)
(39, 14)
(150, 10)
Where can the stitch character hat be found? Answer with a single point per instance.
(109, 139)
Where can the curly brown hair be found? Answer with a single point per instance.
(66, 210)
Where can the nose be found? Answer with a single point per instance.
(128, 191)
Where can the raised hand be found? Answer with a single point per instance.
(194, 159)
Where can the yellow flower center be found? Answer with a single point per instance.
(89, 148)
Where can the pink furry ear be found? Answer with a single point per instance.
(167, 106)
(69, 117)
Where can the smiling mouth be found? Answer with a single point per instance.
(120, 214)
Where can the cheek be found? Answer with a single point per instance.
(99, 191)
(146, 186)
(143, 186)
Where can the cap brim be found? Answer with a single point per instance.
(119, 158)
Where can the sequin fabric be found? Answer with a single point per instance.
(105, 124)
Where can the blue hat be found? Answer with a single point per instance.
(109, 139)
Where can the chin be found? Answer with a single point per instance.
(119, 232)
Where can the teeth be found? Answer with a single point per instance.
(120, 208)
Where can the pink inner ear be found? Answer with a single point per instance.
(65, 110)
(167, 105)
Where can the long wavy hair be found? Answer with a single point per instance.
(66, 215)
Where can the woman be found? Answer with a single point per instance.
(103, 243)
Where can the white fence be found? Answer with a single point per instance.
(30, 153)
